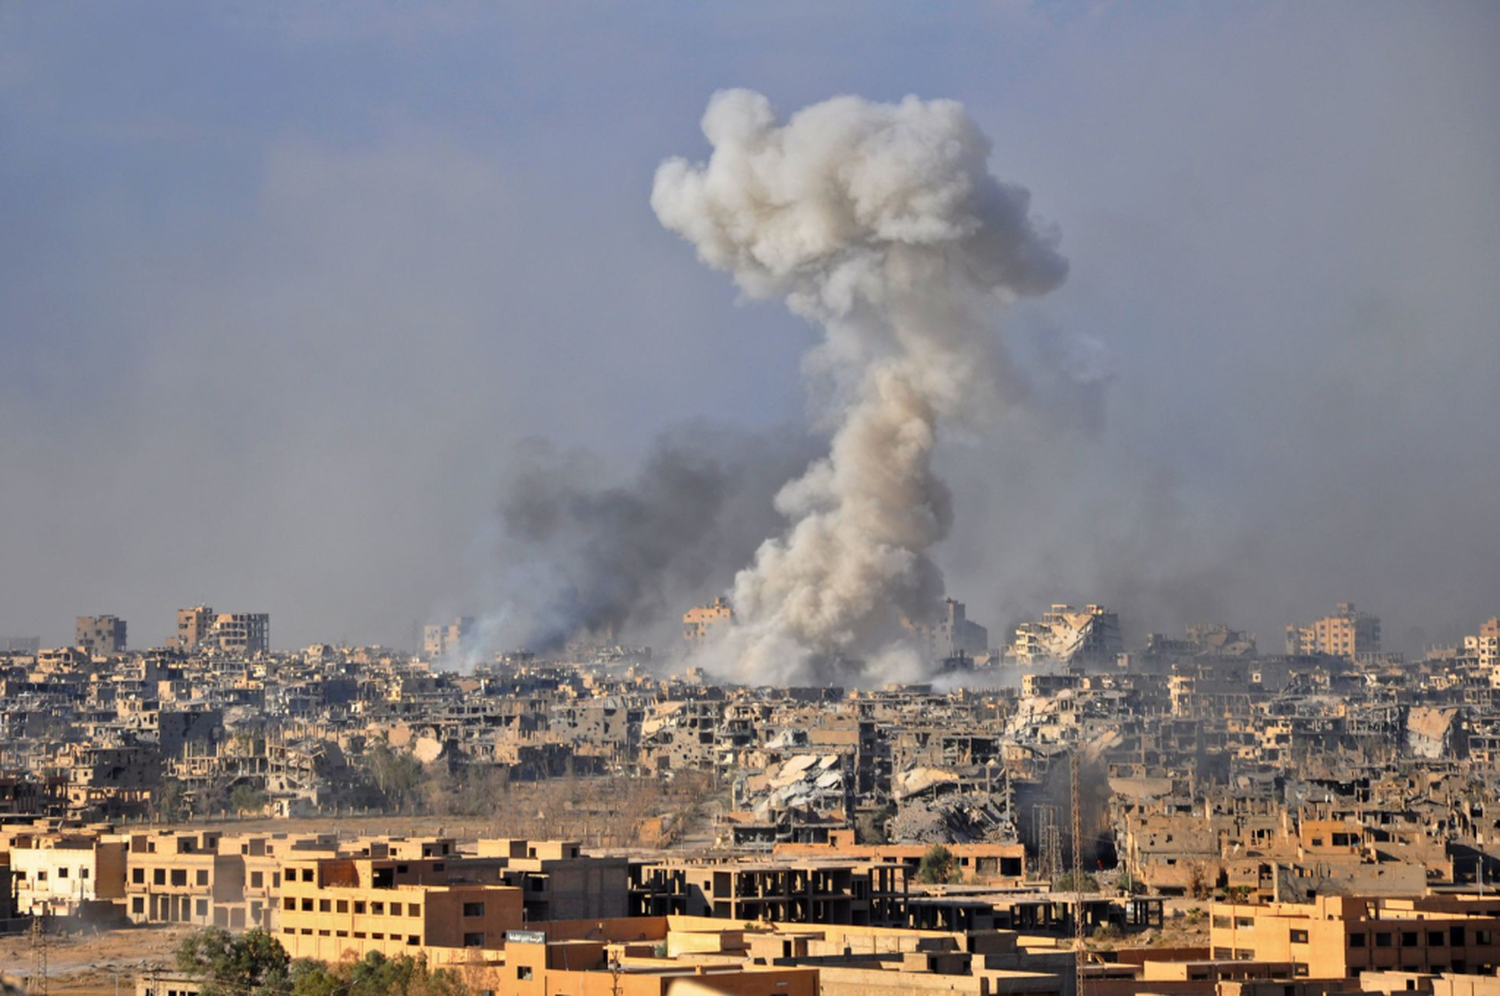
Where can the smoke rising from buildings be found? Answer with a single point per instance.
(585, 556)
(881, 224)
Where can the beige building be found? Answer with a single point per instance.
(1485, 649)
(100, 635)
(333, 907)
(1344, 634)
(74, 875)
(1338, 937)
(588, 967)
(702, 621)
(183, 878)
(557, 881)
(445, 639)
(241, 632)
(1066, 634)
(950, 633)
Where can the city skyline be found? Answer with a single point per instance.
(282, 294)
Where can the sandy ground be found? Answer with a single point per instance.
(86, 964)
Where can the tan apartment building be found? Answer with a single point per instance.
(445, 639)
(331, 907)
(587, 967)
(950, 632)
(702, 621)
(99, 635)
(241, 632)
(79, 875)
(1485, 649)
(1336, 937)
(558, 881)
(1345, 633)
(694, 955)
(184, 878)
(1065, 633)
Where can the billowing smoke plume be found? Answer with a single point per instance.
(585, 556)
(882, 224)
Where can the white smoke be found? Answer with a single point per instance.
(882, 224)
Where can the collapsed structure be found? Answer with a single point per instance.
(1065, 634)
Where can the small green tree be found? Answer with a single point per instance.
(246, 798)
(171, 800)
(1064, 883)
(869, 827)
(254, 962)
(398, 775)
(937, 865)
(313, 978)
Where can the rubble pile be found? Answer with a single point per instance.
(951, 819)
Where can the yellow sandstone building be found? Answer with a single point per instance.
(1338, 937)
(332, 908)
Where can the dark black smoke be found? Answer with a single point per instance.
(585, 556)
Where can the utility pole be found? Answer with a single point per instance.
(38, 981)
(1078, 956)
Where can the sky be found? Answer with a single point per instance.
(283, 288)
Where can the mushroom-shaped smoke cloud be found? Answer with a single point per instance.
(882, 224)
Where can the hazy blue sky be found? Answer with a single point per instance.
(281, 287)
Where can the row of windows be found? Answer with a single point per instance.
(41, 875)
(360, 907)
(138, 906)
(1454, 936)
(311, 874)
(159, 876)
(411, 939)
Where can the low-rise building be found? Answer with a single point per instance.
(800, 892)
(333, 907)
(79, 875)
(559, 882)
(1340, 936)
(183, 878)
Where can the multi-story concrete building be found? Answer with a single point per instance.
(333, 907)
(1485, 648)
(951, 633)
(1344, 634)
(445, 639)
(240, 632)
(183, 878)
(69, 875)
(100, 635)
(1338, 937)
(557, 882)
(193, 626)
(702, 621)
(794, 892)
(1066, 634)
(535, 967)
